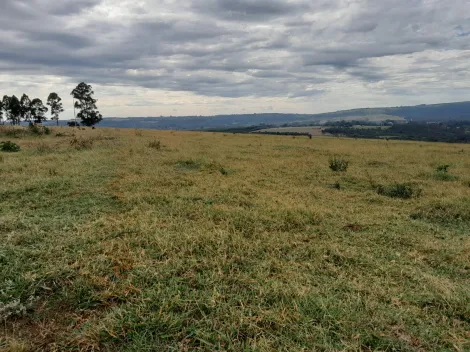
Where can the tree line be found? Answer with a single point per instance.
(15, 111)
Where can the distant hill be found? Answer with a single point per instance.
(419, 113)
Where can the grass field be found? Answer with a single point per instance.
(128, 240)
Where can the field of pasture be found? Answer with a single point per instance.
(139, 240)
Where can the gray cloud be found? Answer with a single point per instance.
(237, 48)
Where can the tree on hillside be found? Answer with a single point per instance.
(13, 109)
(38, 111)
(55, 102)
(25, 107)
(86, 104)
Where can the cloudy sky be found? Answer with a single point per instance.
(204, 57)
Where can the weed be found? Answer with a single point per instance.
(338, 164)
(155, 144)
(9, 146)
(399, 190)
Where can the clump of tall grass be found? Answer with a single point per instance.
(338, 164)
(155, 144)
(81, 143)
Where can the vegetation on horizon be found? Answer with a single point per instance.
(139, 240)
(33, 111)
(451, 132)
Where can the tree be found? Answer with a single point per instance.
(25, 107)
(86, 104)
(1, 111)
(6, 106)
(13, 109)
(38, 110)
(54, 101)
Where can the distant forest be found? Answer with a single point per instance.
(450, 132)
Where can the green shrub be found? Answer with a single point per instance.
(155, 144)
(442, 173)
(442, 168)
(338, 164)
(399, 190)
(9, 147)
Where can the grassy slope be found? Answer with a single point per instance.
(125, 247)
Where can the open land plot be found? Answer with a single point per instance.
(125, 240)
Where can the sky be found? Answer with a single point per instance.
(207, 57)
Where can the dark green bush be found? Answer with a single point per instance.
(9, 147)
(338, 164)
(399, 190)
(442, 168)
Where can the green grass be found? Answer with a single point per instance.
(231, 242)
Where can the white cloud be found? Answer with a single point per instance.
(227, 56)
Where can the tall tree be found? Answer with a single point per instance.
(55, 102)
(14, 110)
(25, 106)
(89, 114)
(38, 111)
(1, 111)
(6, 106)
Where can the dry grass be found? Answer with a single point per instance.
(119, 248)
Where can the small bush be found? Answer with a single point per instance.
(9, 147)
(224, 171)
(442, 168)
(442, 173)
(155, 144)
(81, 143)
(399, 190)
(339, 164)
